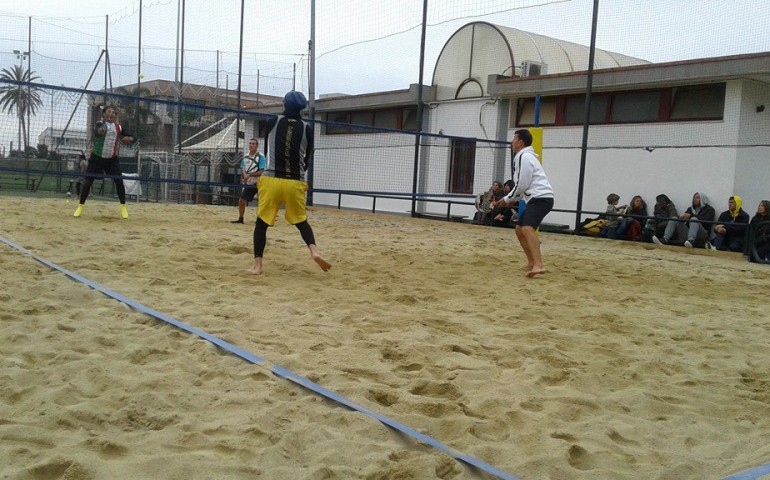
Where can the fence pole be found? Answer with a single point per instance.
(418, 137)
(587, 117)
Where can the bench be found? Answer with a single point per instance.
(436, 216)
(554, 228)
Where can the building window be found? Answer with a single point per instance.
(575, 109)
(686, 103)
(337, 118)
(409, 119)
(386, 119)
(461, 166)
(396, 119)
(632, 107)
(365, 118)
(698, 102)
(526, 112)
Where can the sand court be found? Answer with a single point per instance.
(621, 362)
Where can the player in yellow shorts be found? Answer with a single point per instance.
(289, 148)
(282, 191)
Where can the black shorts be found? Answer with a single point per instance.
(537, 209)
(249, 192)
(97, 164)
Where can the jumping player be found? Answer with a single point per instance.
(108, 137)
(289, 149)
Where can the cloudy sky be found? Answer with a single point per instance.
(361, 45)
(350, 60)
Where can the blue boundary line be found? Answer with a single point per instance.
(751, 474)
(276, 369)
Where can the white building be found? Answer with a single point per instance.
(70, 144)
(674, 128)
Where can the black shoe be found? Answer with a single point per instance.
(240, 220)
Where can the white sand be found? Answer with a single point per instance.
(621, 362)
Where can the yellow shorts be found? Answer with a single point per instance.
(275, 192)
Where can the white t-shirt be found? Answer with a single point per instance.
(251, 165)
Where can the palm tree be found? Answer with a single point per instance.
(19, 98)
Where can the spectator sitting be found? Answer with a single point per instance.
(761, 233)
(502, 214)
(694, 227)
(612, 213)
(663, 210)
(484, 203)
(731, 226)
(630, 227)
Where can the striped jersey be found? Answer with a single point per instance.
(289, 147)
(107, 145)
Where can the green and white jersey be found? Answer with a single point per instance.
(107, 145)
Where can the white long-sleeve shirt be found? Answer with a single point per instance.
(529, 180)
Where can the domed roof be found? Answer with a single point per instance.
(480, 49)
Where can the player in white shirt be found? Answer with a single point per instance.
(252, 166)
(531, 184)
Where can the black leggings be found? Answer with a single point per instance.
(109, 166)
(260, 235)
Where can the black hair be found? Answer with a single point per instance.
(525, 136)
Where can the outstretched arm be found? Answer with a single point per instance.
(127, 138)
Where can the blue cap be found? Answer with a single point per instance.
(294, 102)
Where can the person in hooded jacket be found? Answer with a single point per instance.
(663, 210)
(730, 228)
(760, 232)
(694, 225)
(289, 151)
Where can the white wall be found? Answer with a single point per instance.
(752, 174)
(384, 162)
(476, 118)
(675, 158)
(683, 158)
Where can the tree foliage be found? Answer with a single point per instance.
(20, 98)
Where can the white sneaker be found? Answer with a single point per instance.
(709, 246)
(687, 244)
(656, 240)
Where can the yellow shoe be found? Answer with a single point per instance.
(78, 211)
(123, 211)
